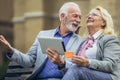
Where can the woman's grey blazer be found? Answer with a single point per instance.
(108, 56)
(35, 56)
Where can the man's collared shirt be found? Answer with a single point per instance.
(50, 70)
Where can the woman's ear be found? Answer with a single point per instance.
(103, 24)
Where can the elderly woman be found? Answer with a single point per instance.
(100, 59)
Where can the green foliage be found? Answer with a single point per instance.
(3, 69)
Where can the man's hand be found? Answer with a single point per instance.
(6, 44)
(80, 61)
(54, 56)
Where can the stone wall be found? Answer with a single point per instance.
(28, 17)
(6, 26)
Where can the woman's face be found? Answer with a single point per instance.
(94, 21)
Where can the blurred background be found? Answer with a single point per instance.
(21, 20)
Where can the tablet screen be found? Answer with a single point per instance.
(53, 43)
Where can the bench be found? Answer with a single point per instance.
(17, 72)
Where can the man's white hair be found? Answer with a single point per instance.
(64, 9)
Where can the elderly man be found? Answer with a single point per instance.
(50, 65)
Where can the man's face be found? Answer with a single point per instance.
(72, 19)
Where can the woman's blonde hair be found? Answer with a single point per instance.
(108, 28)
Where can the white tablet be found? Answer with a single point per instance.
(53, 43)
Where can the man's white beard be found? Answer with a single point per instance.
(70, 25)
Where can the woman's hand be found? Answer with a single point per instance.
(80, 61)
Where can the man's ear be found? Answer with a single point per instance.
(62, 16)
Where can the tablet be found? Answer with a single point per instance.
(53, 43)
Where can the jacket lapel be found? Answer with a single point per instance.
(71, 42)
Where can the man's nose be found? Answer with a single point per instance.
(78, 19)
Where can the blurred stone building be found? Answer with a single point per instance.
(21, 20)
